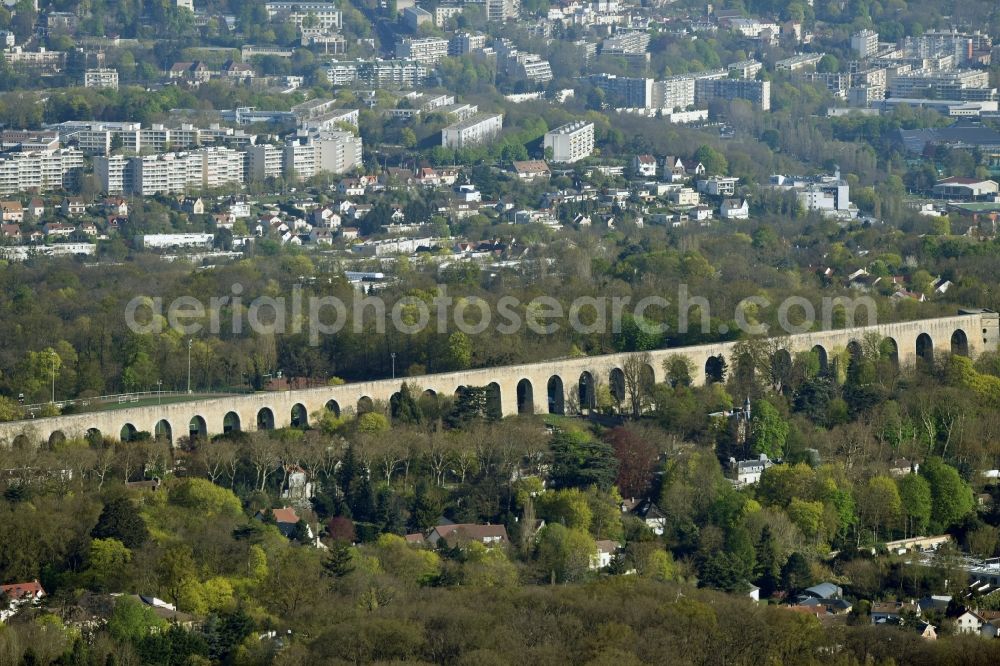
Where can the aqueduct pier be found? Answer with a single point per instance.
(543, 387)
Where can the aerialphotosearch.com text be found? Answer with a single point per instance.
(321, 316)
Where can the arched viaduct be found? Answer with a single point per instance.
(542, 387)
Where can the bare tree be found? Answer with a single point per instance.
(263, 453)
(638, 371)
(215, 459)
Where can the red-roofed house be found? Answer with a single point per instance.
(455, 535)
(18, 595)
(644, 165)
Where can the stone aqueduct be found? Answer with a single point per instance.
(535, 387)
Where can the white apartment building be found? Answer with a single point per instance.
(110, 173)
(865, 43)
(480, 128)
(325, 15)
(572, 142)
(391, 73)
(221, 167)
(444, 12)
(42, 170)
(959, 84)
(675, 92)
(465, 42)
(427, 50)
(798, 61)
(101, 78)
(262, 162)
(308, 153)
(171, 173)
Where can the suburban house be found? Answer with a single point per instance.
(321, 236)
(606, 550)
(11, 232)
(969, 622)
(116, 206)
(18, 595)
(531, 169)
(458, 534)
(192, 206)
(748, 472)
(902, 467)
(286, 520)
(56, 229)
(644, 165)
(655, 519)
(36, 207)
(891, 612)
(734, 209)
(73, 206)
(13, 211)
(673, 169)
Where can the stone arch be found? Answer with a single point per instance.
(925, 348)
(525, 397)
(57, 437)
(265, 419)
(21, 442)
(128, 432)
(365, 405)
(959, 343)
(889, 349)
(94, 436)
(163, 430)
(494, 401)
(333, 406)
(715, 369)
(616, 382)
(394, 403)
(197, 428)
(855, 356)
(781, 366)
(299, 416)
(430, 393)
(230, 423)
(647, 377)
(556, 395)
(822, 356)
(587, 391)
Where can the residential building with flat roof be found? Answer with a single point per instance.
(570, 143)
(480, 128)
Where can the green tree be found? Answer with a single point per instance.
(768, 430)
(121, 520)
(132, 620)
(915, 497)
(10, 410)
(951, 497)
(106, 560)
(579, 461)
(459, 351)
(715, 162)
(176, 571)
(563, 554)
(372, 422)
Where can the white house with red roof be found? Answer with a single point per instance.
(19, 595)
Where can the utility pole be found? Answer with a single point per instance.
(190, 341)
(393, 355)
(159, 383)
(53, 379)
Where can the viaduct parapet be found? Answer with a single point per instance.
(550, 386)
